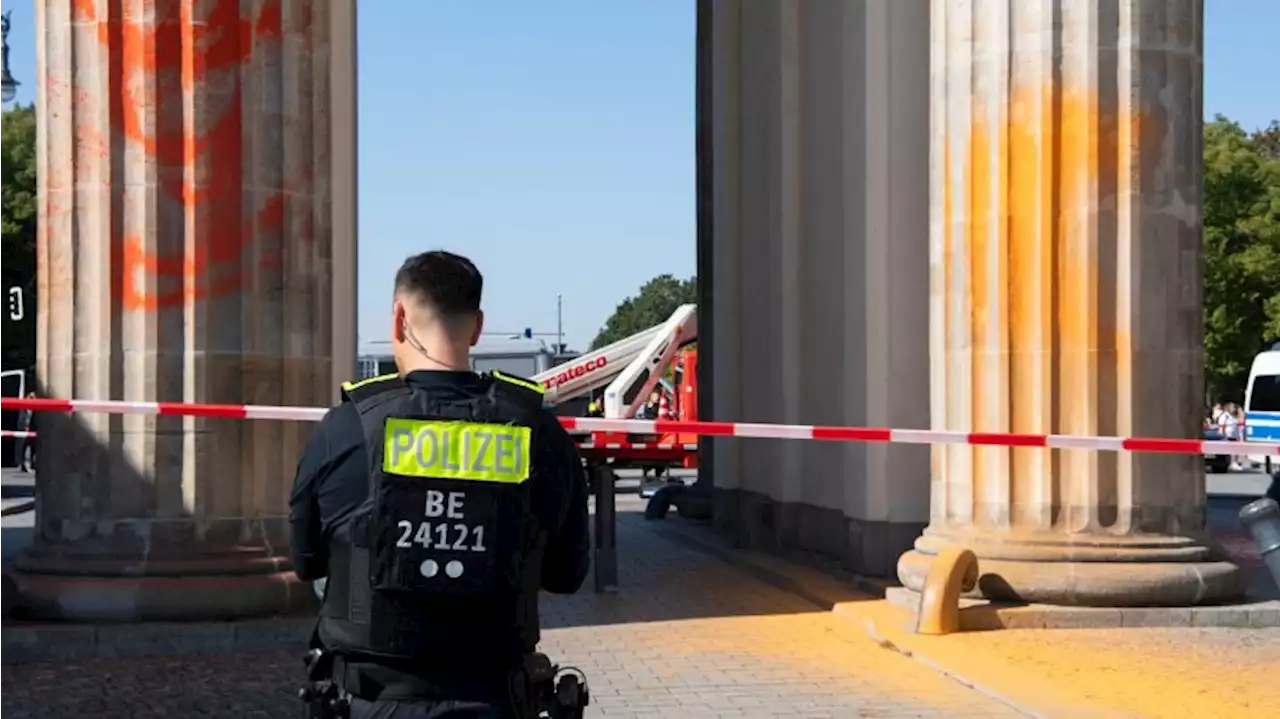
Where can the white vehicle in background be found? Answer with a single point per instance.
(1262, 403)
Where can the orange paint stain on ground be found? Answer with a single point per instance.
(1115, 672)
(1158, 673)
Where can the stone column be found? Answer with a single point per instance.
(344, 178)
(184, 163)
(820, 127)
(1066, 298)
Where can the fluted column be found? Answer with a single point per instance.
(819, 250)
(184, 162)
(1066, 297)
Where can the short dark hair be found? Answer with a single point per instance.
(450, 284)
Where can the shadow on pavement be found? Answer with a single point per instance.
(14, 510)
(111, 539)
(677, 569)
(10, 491)
(1224, 526)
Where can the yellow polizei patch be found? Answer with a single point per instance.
(472, 451)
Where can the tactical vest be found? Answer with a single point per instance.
(443, 557)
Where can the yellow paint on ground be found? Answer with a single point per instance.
(1133, 672)
(690, 635)
(818, 648)
(1158, 673)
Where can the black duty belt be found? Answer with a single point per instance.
(375, 681)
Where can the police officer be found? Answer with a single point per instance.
(437, 502)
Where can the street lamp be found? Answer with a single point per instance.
(8, 85)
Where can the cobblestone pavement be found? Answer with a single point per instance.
(687, 636)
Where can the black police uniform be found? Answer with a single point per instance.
(437, 506)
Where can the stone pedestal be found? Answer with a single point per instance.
(185, 257)
(818, 140)
(1066, 298)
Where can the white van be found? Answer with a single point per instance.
(1262, 401)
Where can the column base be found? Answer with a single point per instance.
(224, 585)
(1084, 570)
(754, 520)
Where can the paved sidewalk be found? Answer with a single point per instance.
(1167, 673)
(687, 636)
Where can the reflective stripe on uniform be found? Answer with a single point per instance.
(350, 386)
(531, 386)
(472, 451)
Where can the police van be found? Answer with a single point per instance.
(1262, 402)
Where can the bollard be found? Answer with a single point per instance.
(954, 572)
(606, 530)
(662, 500)
(1262, 517)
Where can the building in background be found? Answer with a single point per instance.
(522, 358)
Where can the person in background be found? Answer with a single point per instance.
(25, 447)
(1229, 426)
(651, 406)
(649, 410)
(1242, 460)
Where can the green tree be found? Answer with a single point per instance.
(1268, 139)
(18, 213)
(1242, 252)
(657, 299)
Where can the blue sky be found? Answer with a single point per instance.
(553, 142)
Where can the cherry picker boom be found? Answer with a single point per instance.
(628, 369)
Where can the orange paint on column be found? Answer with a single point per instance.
(1025, 241)
(1077, 269)
(977, 247)
(1133, 132)
(172, 58)
(1038, 180)
(85, 12)
(978, 194)
(1030, 288)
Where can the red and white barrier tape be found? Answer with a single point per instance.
(659, 446)
(585, 446)
(702, 429)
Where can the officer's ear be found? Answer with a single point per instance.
(475, 333)
(398, 321)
